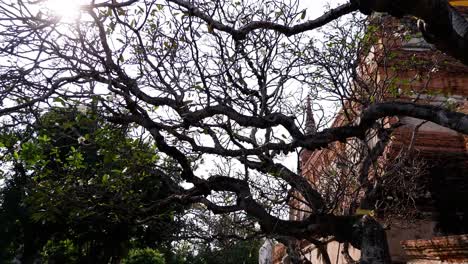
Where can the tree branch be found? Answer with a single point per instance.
(241, 33)
(443, 25)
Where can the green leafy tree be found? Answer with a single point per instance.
(245, 252)
(78, 179)
(144, 256)
(60, 252)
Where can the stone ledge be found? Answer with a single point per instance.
(448, 249)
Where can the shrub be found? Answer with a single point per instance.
(144, 256)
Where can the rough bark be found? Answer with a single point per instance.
(374, 246)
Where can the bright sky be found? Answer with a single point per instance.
(68, 11)
(316, 8)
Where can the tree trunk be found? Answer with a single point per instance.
(373, 241)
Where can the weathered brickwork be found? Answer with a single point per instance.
(431, 78)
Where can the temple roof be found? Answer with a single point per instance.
(459, 2)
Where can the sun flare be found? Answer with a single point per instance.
(66, 10)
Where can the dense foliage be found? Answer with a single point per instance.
(83, 182)
(144, 256)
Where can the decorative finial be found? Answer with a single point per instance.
(310, 127)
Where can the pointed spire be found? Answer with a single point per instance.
(310, 127)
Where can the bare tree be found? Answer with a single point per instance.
(218, 80)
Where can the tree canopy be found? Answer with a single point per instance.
(218, 86)
(80, 179)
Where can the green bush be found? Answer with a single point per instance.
(59, 252)
(144, 256)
